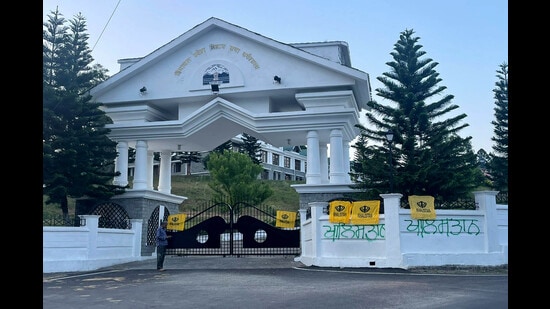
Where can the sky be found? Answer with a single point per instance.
(467, 38)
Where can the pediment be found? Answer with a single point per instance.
(268, 89)
(245, 62)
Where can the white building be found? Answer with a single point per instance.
(219, 80)
(279, 163)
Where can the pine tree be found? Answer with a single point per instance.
(251, 147)
(228, 145)
(428, 155)
(483, 159)
(499, 158)
(484, 163)
(368, 160)
(188, 157)
(78, 156)
(234, 178)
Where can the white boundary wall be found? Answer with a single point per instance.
(456, 237)
(88, 247)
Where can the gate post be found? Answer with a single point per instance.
(394, 257)
(231, 221)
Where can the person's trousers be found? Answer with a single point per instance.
(161, 253)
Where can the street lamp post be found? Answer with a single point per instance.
(389, 138)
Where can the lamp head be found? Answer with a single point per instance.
(215, 87)
(389, 136)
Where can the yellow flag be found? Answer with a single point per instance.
(339, 211)
(285, 218)
(365, 212)
(422, 206)
(176, 222)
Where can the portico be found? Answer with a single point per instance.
(164, 102)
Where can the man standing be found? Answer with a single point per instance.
(162, 242)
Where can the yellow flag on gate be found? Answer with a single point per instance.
(285, 218)
(176, 222)
(339, 211)
(422, 206)
(365, 212)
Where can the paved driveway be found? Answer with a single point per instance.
(270, 282)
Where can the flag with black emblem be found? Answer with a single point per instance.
(339, 211)
(365, 212)
(176, 222)
(285, 219)
(422, 206)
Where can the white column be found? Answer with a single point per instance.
(165, 172)
(313, 174)
(121, 164)
(136, 228)
(323, 157)
(394, 256)
(337, 175)
(347, 168)
(486, 201)
(150, 169)
(92, 225)
(269, 159)
(140, 170)
(162, 209)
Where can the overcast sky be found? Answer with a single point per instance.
(468, 38)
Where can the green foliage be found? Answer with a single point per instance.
(220, 149)
(498, 169)
(368, 162)
(428, 155)
(484, 161)
(78, 156)
(198, 193)
(251, 147)
(234, 177)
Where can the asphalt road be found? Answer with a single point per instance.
(272, 282)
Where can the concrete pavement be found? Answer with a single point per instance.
(272, 282)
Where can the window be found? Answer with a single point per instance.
(275, 159)
(297, 164)
(287, 162)
(263, 156)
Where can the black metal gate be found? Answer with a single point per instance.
(239, 229)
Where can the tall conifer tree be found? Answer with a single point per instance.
(251, 147)
(187, 158)
(499, 158)
(428, 155)
(78, 156)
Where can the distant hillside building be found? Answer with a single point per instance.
(279, 163)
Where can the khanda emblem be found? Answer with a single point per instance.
(364, 208)
(284, 216)
(340, 207)
(175, 219)
(421, 204)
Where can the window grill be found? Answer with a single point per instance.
(112, 216)
(458, 204)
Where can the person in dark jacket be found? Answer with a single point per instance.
(162, 243)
